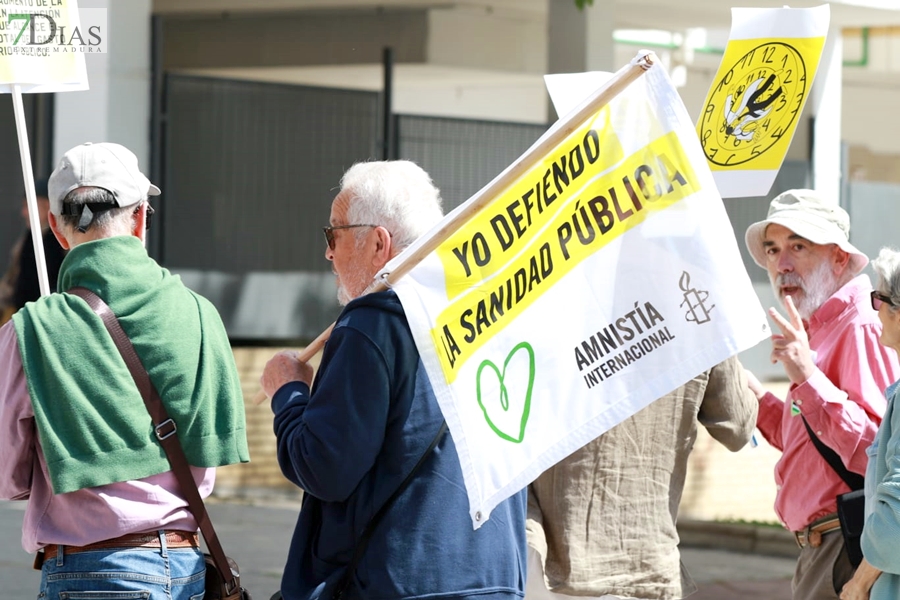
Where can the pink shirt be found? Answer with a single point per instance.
(843, 403)
(88, 515)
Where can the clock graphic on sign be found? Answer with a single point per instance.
(754, 104)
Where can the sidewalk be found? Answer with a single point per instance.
(728, 562)
(738, 562)
(257, 537)
(727, 575)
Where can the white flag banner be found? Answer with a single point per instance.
(606, 275)
(756, 99)
(568, 90)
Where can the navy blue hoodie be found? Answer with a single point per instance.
(351, 442)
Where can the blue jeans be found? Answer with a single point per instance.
(124, 574)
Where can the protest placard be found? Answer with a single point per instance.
(42, 49)
(43, 44)
(758, 94)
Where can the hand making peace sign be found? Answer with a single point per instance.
(791, 346)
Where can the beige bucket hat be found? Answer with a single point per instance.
(809, 215)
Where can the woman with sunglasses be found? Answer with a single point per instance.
(878, 576)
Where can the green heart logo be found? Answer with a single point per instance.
(509, 386)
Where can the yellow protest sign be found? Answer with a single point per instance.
(753, 107)
(42, 45)
(651, 179)
(485, 244)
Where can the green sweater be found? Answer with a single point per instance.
(92, 423)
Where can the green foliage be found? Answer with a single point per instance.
(582, 3)
(772, 524)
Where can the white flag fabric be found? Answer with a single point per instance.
(602, 278)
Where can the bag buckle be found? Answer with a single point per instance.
(161, 434)
(231, 586)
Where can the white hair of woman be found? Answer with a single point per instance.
(887, 270)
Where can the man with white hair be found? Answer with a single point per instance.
(385, 511)
(829, 347)
(104, 509)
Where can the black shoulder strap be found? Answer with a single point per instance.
(854, 480)
(166, 431)
(344, 583)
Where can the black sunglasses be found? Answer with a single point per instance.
(878, 299)
(150, 212)
(329, 232)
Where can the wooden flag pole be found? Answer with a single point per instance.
(34, 220)
(552, 138)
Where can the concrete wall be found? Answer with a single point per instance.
(501, 40)
(261, 477)
(322, 38)
(722, 485)
(867, 165)
(117, 106)
(244, 6)
(505, 37)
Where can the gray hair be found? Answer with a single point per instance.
(887, 270)
(397, 195)
(108, 223)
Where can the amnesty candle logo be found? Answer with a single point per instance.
(695, 300)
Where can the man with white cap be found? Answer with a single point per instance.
(105, 513)
(829, 348)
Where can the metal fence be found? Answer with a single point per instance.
(249, 174)
(462, 155)
(250, 170)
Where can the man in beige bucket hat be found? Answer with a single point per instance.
(829, 347)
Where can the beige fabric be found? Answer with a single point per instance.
(603, 519)
(535, 589)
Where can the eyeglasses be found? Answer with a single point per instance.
(150, 212)
(878, 299)
(329, 232)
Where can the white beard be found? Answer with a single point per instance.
(820, 285)
(357, 279)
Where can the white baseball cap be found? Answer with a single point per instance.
(104, 165)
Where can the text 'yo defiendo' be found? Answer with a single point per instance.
(580, 197)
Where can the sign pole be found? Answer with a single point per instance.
(34, 220)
